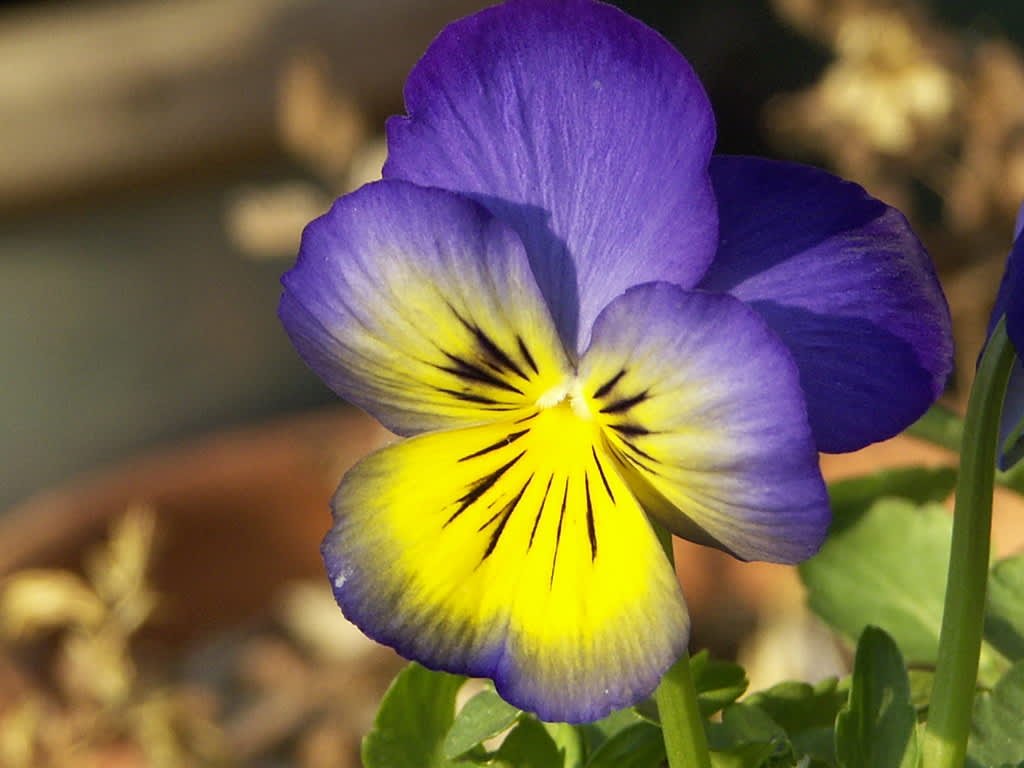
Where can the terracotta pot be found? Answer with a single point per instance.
(238, 514)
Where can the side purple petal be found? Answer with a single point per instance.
(419, 306)
(1010, 299)
(1010, 302)
(846, 284)
(702, 405)
(1013, 413)
(583, 129)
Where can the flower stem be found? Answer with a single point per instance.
(949, 715)
(682, 725)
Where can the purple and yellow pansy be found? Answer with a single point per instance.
(590, 329)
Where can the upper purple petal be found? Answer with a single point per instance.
(580, 127)
(846, 284)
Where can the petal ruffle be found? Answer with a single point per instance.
(510, 551)
(702, 403)
(418, 306)
(840, 277)
(583, 129)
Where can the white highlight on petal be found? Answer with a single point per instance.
(570, 389)
(556, 394)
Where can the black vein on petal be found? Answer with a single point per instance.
(605, 388)
(469, 372)
(506, 513)
(558, 533)
(507, 440)
(604, 478)
(590, 519)
(525, 352)
(540, 511)
(626, 403)
(480, 487)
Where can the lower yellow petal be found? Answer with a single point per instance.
(513, 551)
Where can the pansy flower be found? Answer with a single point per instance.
(1010, 302)
(589, 329)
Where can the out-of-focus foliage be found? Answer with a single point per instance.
(908, 102)
(102, 711)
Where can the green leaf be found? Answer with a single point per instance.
(997, 735)
(798, 706)
(718, 684)
(921, 682)
(807, 713)
(569, 740)
(851, 498)
(1013, 479)
(887, 568)
(941, 426)
(594, 735)
(637, 746)
(743, 756)
(748, 737)
(944, 427)
(1004, 613)
(879, 727)
(485, 715)
(416, 713)
(528, 746)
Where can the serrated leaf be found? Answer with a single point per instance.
(483, 716)
(414, 716)
(864, 574)
(997, 733)
(638, 746)
(1004, 612)
(528, 746)
(879, 727)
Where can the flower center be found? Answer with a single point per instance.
(569, 390)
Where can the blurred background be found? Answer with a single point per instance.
(158, 159)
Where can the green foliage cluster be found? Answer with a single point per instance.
(879, 581)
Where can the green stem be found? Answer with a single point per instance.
(682, 726)
(681, 723)
(949, 714)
